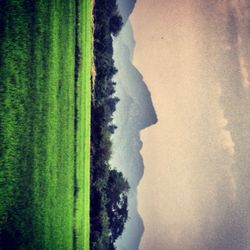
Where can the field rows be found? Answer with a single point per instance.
(37, 124)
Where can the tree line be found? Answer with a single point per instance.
(109, 188)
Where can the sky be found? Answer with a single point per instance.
(194, 57)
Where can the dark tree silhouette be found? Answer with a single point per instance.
(115, 24)
(109, 189)
(117, 205)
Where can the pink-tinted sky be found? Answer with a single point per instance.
(189, 154)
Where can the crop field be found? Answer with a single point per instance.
(45, 90)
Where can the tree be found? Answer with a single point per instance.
(112, 128)
(117, 206)
(111, 103)
(108, 197)
(115, 24)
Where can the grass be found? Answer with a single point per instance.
(82, 220)
(44, 155)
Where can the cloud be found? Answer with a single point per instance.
(243, 64)
(243, 69)
(189, 191)
(241, 10)
(244, 72)
(242, 16)
(236, 5)
(225, 140)
(232, 184)
(224, 136)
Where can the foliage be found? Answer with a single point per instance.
(109, 189)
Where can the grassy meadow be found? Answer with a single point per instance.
(45, 71)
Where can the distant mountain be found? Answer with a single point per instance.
(126, 8)
(134, 112)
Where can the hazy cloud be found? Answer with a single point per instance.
(226, 141)
(244, 71)
(225, 137)
(189, 195)
(240, 10)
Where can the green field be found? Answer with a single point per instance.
(45, 123)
